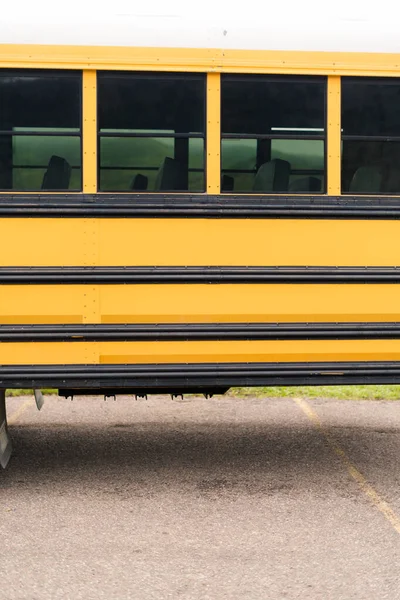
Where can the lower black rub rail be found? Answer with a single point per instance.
(181, 377)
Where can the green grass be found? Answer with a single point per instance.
(17, 392)
(342, 392)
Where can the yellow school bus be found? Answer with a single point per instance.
(187, 206)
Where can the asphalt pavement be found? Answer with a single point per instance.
(194, 498)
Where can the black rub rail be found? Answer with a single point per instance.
(199, 206)
(186, 376)
(200, 274)
(198, 331)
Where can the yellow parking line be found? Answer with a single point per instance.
(16, 414)
(365, 487)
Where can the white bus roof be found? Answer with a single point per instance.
(342, 26)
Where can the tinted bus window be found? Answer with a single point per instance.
(370, 135)
(273, 134)
(151, 132)
(40, 131)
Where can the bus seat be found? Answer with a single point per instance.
(272, 176)
(306, 184)
(227, 183)
(139, 182)
(170, 176)
(57, 175)
(367, 179)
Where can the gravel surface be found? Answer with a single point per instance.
(199, 499)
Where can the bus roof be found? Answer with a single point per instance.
(340, 26)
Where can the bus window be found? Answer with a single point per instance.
(152, 130)
(370, 135)
(239, 160)
(273, 133)
(40, 131)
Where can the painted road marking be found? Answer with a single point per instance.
(352, 470)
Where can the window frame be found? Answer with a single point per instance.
(276, 78)
(48, 73)
(359, 80)
(155, 134)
